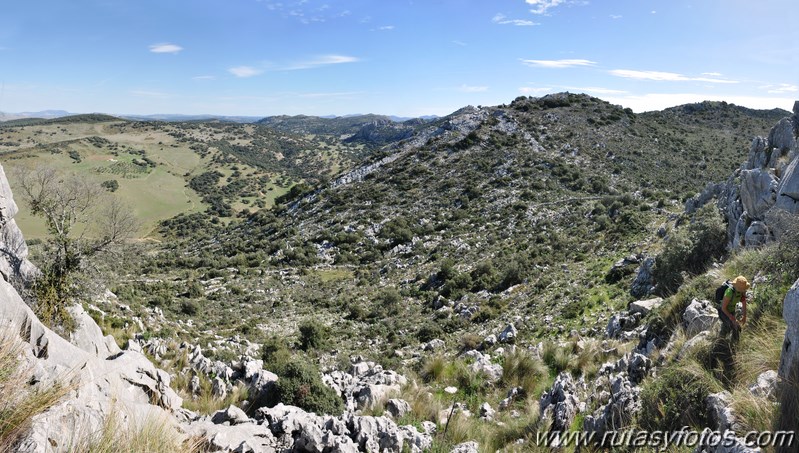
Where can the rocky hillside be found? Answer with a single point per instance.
(491, 214)
(504, 278)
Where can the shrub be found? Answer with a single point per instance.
(188, 307)
(313, 335)
(275, 352)
(690, 249)
(300, 384)
(429, 331)
(111, 185)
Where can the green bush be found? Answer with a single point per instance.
(275, 352)
(300, 384)
(313, 335)
(691, 250)
(677, 398)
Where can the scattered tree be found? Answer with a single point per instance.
(82, 221)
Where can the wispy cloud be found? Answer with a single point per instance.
(781, 88)
(501, 19)
(534, 90)
(204, 77)
(323, 60)
(472, 89)
(597, 90)
(664, 76)
(567, 63)
(459, 43)
(386, 28)
(616, 16)
(165, 48)
(542, 6)
(712, 74)
(245, 71)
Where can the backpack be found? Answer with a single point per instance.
(721, 290)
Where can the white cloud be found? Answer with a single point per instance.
(459, 43)
(245, 71)
(712, 74)
(542, 6)
(781, 88)
(502, 20)
(165, 48)
(472, 89)
(568, 63)
(387, 27)
(596, 90)
(323, 60)
(660, 101)
(664, 76)
(204, 77)
(616, 16)
(533, 90)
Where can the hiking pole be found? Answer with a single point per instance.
(450, 390)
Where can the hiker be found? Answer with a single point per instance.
(728, 296)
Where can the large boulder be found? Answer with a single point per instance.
(788, 190)
(249, 437)
(758, 157)
(758, 192)
(88, 335)
(766, 385)
(644, 280)
(789, 360)
(699, 317)
(645, 306)
(782, 137)
(720, 413)
(561, 402)
(757, 234)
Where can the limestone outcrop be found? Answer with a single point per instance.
(101, 379)
(758, 196)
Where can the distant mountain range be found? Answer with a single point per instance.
(49, 114)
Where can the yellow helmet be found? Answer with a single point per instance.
(740, 284)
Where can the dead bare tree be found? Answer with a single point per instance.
(82, 220)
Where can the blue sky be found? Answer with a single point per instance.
(400, 57)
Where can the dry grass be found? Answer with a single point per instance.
(753, 413)
(155, 434)
(206, 403)
(521, 369)
(19, 401)
(759, 349)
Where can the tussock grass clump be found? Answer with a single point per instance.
(753, 413)
(759, 349)
(155, 434)
(433, 368)
(558, 358)
(206, 403)
(521, 369)
(676, 398)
